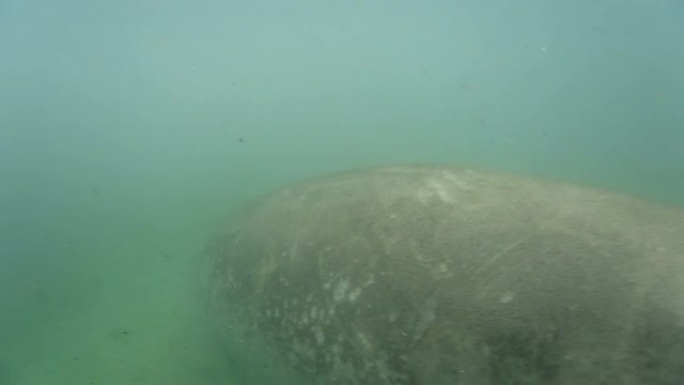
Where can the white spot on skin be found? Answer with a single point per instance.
(341, 289)
(370, 281)
(354, 293)
(303, 351)
(442, 192)
(427, 315)
(507, 297)
(364, 341)
(392, 316)
(318, 333)
(435, 188)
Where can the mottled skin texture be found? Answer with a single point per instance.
(444, 275)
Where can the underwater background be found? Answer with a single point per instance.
(130, 130)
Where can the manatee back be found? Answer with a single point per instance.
(443, 275)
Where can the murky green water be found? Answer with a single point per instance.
(130, 130)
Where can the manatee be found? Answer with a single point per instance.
(441, 275)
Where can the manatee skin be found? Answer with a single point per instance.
(427, 275)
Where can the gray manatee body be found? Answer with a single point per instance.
(432, 275)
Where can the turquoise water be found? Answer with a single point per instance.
(130, 130)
